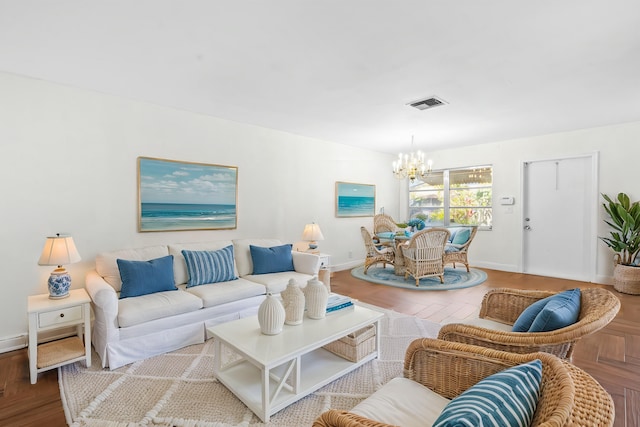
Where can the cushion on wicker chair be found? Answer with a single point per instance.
(507, 398)
(551, 313)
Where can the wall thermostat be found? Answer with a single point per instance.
(507, 200)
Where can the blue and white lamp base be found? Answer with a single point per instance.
(59, 284)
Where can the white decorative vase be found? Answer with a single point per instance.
(316, 296)
(293, 301)
(271, 315)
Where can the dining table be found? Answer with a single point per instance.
(398, 240)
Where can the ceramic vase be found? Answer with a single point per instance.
(293, 301)
(271, 315)
(316, 296)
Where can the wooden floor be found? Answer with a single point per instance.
(612, 356)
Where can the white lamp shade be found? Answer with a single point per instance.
(59, 250)
(312, 233)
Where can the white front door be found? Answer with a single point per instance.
(558, 224)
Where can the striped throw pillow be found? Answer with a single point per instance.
(209, 266)
(507, 398)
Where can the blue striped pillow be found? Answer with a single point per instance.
(507, 398)
(209, 266)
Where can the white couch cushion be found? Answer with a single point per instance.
(243, 255)
(277, 282)
(136, 310)
(107, 267)
(223, 292)
(180, 271)
(402, 402)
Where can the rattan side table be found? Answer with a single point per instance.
(47, 314)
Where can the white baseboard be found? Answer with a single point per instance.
(603, 280)
(496, 266)
(21, 341)
(347, 265)
(13, 343)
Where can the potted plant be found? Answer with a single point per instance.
(624, 240)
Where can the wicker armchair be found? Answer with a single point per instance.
(568, 395)
(374, 256)
(461, 254)
(383, 222)
(597, 308)
(423, 254)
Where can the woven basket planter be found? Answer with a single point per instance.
(626, 279)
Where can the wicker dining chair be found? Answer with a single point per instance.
(423, 254)
(598, 307)
(453, 254)
(384, 222)
(384, 255)
(568, 395)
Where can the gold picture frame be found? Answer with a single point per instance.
(176, 195)
(355, 200)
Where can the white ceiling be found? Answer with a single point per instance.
(344, 70)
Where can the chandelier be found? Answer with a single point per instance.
(411, 165)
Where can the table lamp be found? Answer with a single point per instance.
(59, 250)
(312, 234)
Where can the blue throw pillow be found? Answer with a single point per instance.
(271, 260)
(146, 277)
(209, 266)
(507, 398)
(452, 233)
(540, 316)
(462, 236)
(558, 312)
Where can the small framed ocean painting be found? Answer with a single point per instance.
(175, 195)
(354, 200)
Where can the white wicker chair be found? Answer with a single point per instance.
(383, 222)
(385, 255)
(423, 255)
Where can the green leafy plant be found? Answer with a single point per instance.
(625, 221)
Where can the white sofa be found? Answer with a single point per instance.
(130, 329)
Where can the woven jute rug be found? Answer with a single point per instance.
(178, 388)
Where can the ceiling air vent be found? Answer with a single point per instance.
(430, 102)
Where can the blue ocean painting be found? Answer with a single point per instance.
(355, 199)
(186, 196)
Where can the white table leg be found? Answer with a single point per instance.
(33, 349)
(266, 402)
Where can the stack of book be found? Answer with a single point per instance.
(338, 302)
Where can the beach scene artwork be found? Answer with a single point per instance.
(353, 200)
(176, 195)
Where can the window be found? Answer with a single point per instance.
(454, 196)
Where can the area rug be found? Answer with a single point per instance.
(178, 388)
(454, 278)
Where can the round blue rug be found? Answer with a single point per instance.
(454, 278)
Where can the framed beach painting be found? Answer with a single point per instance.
(354, 200)
(174, 195)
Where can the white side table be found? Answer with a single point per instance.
(47, 314)
(324, 275)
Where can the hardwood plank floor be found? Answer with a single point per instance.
(612, 355)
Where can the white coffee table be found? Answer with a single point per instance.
(272, 372)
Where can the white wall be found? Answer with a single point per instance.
(69, 166)
(619, 151)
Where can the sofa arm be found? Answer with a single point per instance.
(306, 263)
(105, 308)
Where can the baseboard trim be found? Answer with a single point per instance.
(13, 343)
(496, 266)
